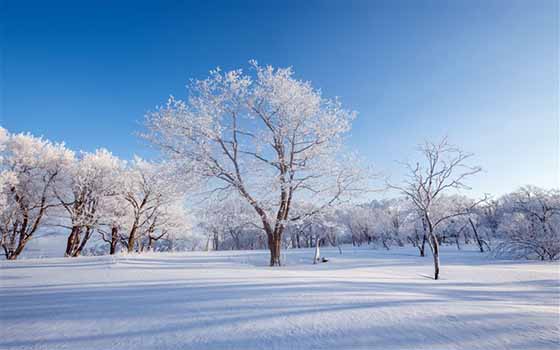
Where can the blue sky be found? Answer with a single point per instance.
(484, 73)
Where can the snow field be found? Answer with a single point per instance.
(363, 299)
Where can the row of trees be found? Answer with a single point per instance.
(133, 205)
(275, 141)
(267, 148)
(522, 224)
(129, 205)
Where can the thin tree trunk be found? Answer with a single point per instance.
(114, 240)
(384, 241)
(216, 241)
(434, 244)
(435, 251)
(317, 252)
(425, 237)
(476, 236)
(423, 246)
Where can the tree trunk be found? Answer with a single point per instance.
(476, 236)
(132, 239)
(425, 237)
(317, 252)
(150, 243)
(384, 241)
(81, 245)
(114, 240)
(237, 241)
(72, 241)
(435, 253)
(275, 245)
(13, 254)
(457, 242)
(434, 245)
(423, 246)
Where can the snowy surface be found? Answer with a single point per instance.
(363, 299)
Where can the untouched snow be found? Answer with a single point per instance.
(363, 299)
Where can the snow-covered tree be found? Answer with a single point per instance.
(444, 168)
(85, 184)
(359, 222)
(148, 188)
(29, 169)
(397, 214)
(116, 214)
(268, 137)
(231, 223)
(530, 226)
(169, 221)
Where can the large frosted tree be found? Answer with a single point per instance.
(29, 169)
(265, 135)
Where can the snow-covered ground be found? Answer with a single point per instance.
(363, 299)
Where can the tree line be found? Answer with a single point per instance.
(128, 205)
(268, 152)
(521, 224)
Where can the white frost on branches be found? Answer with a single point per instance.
(268, 137)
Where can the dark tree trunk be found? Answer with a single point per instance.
(216, 241)
(476, 236)
(132, 239)
(275, 245)
(81, 245)
(422, 246)
(425, 237)
(21, 237)
(384, 242)
(457, 242)
(237, 241)
(114, 240)
(434, 245)
(72, 242)
(435, 253)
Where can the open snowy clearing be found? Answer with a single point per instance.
(363, 299)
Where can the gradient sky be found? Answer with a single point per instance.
(484, 73)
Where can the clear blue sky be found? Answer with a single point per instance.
(485, 73)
